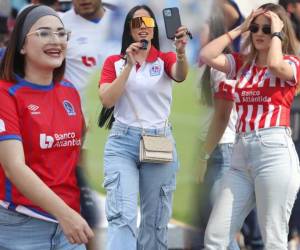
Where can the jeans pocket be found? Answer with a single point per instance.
(164, 214)
(113, 196)
(274, 141)
(12, 218)
(165, 206)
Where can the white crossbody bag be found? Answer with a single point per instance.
(153, 148)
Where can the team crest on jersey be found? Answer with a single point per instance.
(69, 108)
(155, 70)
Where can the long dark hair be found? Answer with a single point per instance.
(106, 117)
(13, 61)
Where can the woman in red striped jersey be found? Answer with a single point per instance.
(265, 167)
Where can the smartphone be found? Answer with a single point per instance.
(172, 21)
(144, 43)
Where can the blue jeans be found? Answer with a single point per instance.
(125, 177)
(218, 163)
(22, 232)
(294, 223)
(265, 171)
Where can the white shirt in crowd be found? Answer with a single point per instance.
(229, 134)
(88, 47)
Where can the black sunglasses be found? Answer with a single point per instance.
(266, 29)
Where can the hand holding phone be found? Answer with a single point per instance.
(172, 21)
(144, 43)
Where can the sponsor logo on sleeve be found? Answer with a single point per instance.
(2, 126)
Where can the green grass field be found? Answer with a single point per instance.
(185, 119)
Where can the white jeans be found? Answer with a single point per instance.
(264, 171)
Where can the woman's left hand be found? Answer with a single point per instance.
(276, 22)
(181, 39)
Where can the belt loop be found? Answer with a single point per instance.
(126, 129)
(288, 131)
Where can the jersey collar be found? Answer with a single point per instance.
(32, 85)
(153, 54)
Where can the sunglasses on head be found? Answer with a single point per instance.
(137, 22)
(266, 29)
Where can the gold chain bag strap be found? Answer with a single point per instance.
(153, 148)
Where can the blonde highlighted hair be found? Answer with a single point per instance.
(289, 38)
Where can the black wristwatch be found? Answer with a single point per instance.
(278, 34)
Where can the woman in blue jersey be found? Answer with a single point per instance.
(41, 127)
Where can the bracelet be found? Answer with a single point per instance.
(229, 36)
(180, 59)
(180, 56)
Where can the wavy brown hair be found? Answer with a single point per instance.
(289, 38)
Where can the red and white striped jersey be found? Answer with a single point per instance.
(262, 99)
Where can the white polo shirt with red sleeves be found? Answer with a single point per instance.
(262, 99)
(49, 123)
(149, 86)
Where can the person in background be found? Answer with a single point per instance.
(41, 129)
(89, 23)
(138, 84)
(293, 9)
(265, 167)
(232, 18)
(4, 34)
(5, 9)
(54, 4)
(219, 160)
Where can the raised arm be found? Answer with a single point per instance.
(180, 68)
(110, 92)
(212, 53)
(275, 60)
(31, 186)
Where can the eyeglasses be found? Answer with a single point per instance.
(266, 29)
(137, 22)
(47, 34)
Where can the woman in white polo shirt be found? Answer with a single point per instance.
(138, 84)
